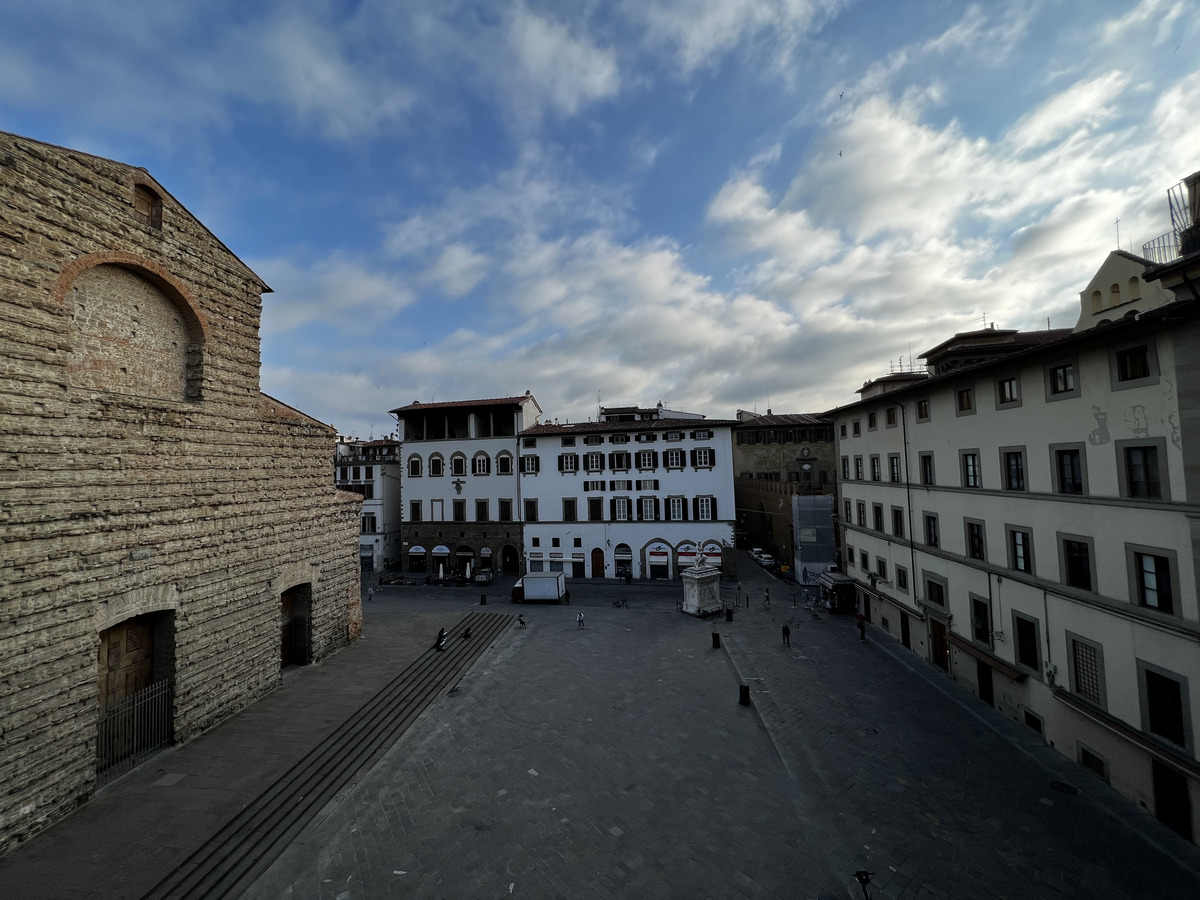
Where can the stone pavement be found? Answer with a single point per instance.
(615, 761)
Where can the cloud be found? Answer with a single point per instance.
(1085, 106)
(338, 291)
(558, 70)
(1119, 30)
(457, 271)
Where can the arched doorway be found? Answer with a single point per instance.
(464, 556)
(597, 562)
(295, 622)
(623, 560)
(510, 560)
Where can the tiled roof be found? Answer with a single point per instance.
(450, 404)
(643, 425)
(785, 419)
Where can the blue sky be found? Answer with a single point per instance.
(718, 204)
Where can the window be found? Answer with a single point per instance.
(620, 484)
(593, 439)
(593, 462)
(964, 401)
(504, 510)
(1164, 701)
(619, 460)
(849, 556)
(881, 568)
(849, 516)
(1077, 561)
(595, 509)
(481, 511)
(1027, 648)
(922, 410)
(529, 443)
(673, 459)
(436, 467)
(619, 439)
(414, 510)
(530, 465)
(1061, 382)
(1013, 463)
(675, 509)
(458, 465)
(858, 468)
(1087, 669)
(871, 421)
(1133, 363)
(459, 510)
(902, 579)
(570, 509)
(898, 521)
(845, 468)
(673, 436)
(1008, 393)
(1093, 762)
(481, 465)
(931, 529)
(926, 462)
(647, 459)
(620, 509)
(1020, 549)
(646, 438)
(703, 458)
(568, 462)
(877, 516)
(935, 590)
(531, 510)
(861, 509)
(568, 441)
(843, 430)
(1150, 571)
(971, 476)
(357, 474)
(856, 427)
(889, 416)
(147, 206)
(976, 548)
(649, 508)
(704, 509)
(981, 620)
(875, 471)
(414, 467)
(894, 467)
(1139, 471)
(504, 464)
(1068, 469)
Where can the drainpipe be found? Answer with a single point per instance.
(912, 541)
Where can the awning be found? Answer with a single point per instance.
(979, 653)
(835, 580)
(441, 550)
(486, 551)
(417, 549)
(659, 554)
(465, 551)
(623, 553)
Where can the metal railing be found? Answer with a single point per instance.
(1163, 249)
(133, 729)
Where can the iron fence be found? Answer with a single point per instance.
(134, 729)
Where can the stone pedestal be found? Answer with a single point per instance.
(701, 590)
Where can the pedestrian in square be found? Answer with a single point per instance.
(767, 597)
(579, 619)
(370, 594)
(440, 644)
(787, 636)
(862, 627)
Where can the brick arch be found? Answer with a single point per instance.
(175, 290)
(136, 602)
(294, 574)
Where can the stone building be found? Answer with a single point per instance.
(171, 538)
(784, 468)
(371, 469)
(1023, 516)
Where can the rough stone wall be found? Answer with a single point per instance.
(141, 470)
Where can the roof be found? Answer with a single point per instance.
(417, 405)
(784, 419)
(641, 425)
(268, 405)
(1056, 338)
(995, 339)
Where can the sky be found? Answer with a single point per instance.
(715, 204)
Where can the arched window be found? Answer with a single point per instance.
(414, 466)
(436, 466)
(147, 206)
(504, 464)
(1097, 301)
(1114, 295)
(481, 464)
(458, 465)
(1135, 288)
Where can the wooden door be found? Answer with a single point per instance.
(597, 562)
(126, 659)
(983, 673)
(939, 647)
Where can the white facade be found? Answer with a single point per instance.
(372, 470)
(461, 492)
(1028, 524)
(634, 497)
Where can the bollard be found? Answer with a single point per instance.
(483, 599)
(729, 614)
(716, 640)
(744, 696)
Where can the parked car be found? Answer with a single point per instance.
(484, 576)
(766, 560)
(755, 553)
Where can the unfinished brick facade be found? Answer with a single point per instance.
(150, 493)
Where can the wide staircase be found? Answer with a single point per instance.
(233, 858)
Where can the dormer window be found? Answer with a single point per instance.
(147, 207)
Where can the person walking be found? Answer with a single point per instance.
(862, 627)
(767, 597)
(579, 619)
(370, 594)
(787, 636)
(440, 644)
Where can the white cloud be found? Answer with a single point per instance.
(557, 69)
(1117, 31)
(457, 271)
(1086, 105)
(344, 293)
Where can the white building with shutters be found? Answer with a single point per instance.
(636, 494)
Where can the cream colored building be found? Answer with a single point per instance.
(1024, 515)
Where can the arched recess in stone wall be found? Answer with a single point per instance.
(134, 328)
(294, 574)
(137, 602)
